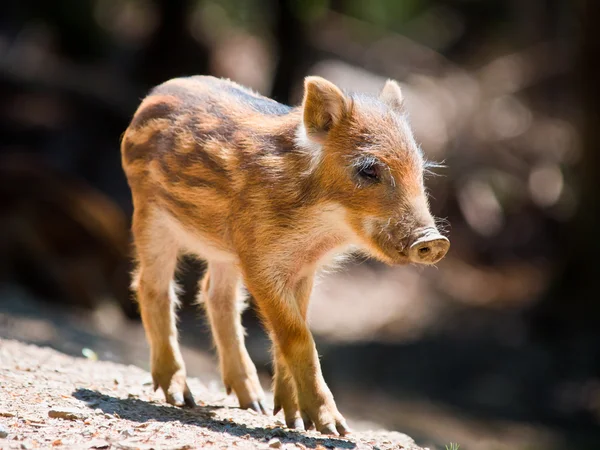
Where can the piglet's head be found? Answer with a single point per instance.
(366, 159)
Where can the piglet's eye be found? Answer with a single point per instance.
(369, 171)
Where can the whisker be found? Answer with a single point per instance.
(430, 166)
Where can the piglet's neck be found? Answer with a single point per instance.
(289, 139)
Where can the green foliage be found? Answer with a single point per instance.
(385, 13)
(452, 446)
(250, 15)
(309, 10)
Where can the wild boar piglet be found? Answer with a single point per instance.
(267, 194)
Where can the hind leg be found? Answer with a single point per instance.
(222, 297)
(157, 254)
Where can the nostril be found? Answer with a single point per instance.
(429, 250)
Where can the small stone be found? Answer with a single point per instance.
(89, 354)
(127, 432)
(67, 414)
(275, 443)
(3, 431)
(98, 444)
(98, 412)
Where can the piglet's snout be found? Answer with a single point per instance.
(429, 248)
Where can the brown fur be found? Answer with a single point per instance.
(265, 193)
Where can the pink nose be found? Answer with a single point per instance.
(429, 249)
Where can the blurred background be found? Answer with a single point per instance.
(496, 348)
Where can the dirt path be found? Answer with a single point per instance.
(51, 400)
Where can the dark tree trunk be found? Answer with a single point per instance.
(570, 314)
(172, 51)
(293, 54)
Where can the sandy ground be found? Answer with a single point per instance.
(349, 370)
(52, 400)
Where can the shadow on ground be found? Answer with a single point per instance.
(204, 416)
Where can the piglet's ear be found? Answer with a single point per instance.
(391, 95)
(324, 105)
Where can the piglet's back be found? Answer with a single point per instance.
(193, 131)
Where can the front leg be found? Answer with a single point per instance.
(284, 386)
(284, 391)
(284, 310)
